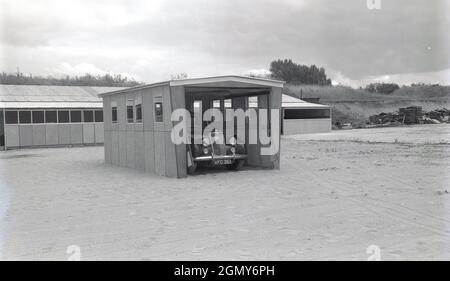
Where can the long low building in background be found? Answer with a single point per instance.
(301, 117)
(40, 116)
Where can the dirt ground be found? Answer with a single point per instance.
(335, 195)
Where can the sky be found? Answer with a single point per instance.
(356, 41)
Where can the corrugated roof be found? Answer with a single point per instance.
(292, 102)
(35, 96)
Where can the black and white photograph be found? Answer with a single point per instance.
(224, 130)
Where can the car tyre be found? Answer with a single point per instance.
(191, 169)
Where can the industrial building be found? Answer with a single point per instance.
(40, 116)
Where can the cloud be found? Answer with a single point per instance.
(434, 77)
(153, 39)
(258, 72)
(82, 69)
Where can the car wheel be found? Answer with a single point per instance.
(237, 165)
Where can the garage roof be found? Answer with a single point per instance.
(216, 81)
(39, 96)
(228, 78)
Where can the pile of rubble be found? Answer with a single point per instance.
(437, 116)
(410, 115)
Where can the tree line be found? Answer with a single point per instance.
(281, 69)
(294, 73)
(107, 80)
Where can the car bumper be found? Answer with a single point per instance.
(220, 157)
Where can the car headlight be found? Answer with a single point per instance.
(233, 150)
(205, 151)
(232, 141)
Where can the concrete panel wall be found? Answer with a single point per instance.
(160, 153)
(64, 134)
(99, 133)
(115, 148)
(88, 133)
(108, 147)
(12, 136)
(39, 135)
(149, 146)
(25, 135)
(51, 134)
(76, 133)
(131, 152)
(306, 126)
(171, 169)
(122, 148)
(140, 150)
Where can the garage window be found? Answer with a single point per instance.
(253, 102)
(130, 111)
(138, 108)
(306, 113)
(50, 116)
(99, 116)
(88, 116)
(38, 117)
(158, 112)
(11, 117)
(216, 104)
(75, 116)
(228, 103)
(24, 117)
(63, 116)
(114, 112)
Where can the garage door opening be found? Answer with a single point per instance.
(228, 145)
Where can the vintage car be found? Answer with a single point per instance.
(214, 151)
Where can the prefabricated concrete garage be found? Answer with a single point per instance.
(40, 116)
(138, 120)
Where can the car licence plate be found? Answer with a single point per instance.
(223, 162)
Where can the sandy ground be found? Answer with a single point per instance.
(335, 195)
